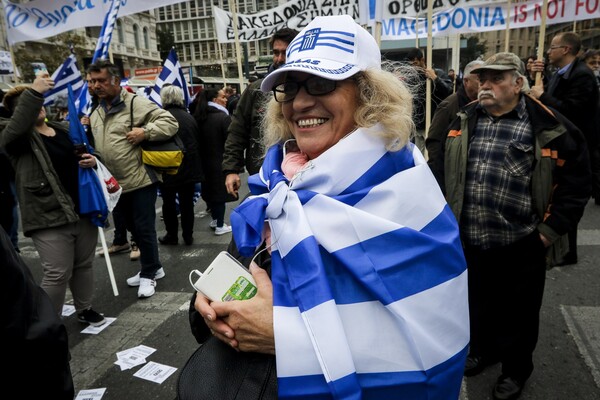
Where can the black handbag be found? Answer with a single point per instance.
(216, 371)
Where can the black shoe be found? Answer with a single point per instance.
(475, 365)
(168, 239)
(569, 259)
(188, 240)
(91, 317)
(507, 388)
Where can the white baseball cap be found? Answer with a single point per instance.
(333, 47)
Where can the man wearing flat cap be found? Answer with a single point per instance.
(517, 177)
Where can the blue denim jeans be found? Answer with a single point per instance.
(138, 207)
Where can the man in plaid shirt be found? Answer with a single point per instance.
(517, 177)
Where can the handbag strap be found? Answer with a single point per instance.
(131, 112)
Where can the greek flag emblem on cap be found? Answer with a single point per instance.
(309, 40)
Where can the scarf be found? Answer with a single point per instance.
(218, 107)
(369, 278)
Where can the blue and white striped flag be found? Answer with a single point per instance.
(84, 99)
(67, 74)
(171, 73)
(369, 278)
(106, 32)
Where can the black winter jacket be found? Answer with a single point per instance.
(575, 95)
(213, 134)
(190, 170)
(244, 141)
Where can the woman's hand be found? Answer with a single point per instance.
(87, 161)
(42, 84)
(244, 325)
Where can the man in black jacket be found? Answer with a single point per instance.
(441, 87)
(243, 147)
(446, 113)
(572, 91)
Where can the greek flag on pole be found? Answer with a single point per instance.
(84, 100)
(67, 74)
(369, 278)
(171, 73)
(106, 32)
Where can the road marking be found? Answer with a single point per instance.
(464, 395)
(131, 328)
(583, 325)
(588, 237)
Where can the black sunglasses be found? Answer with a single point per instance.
(315, 86)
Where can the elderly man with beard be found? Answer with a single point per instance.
(517, 177)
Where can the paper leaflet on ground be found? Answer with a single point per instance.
(155, 372)
(90, 394)
(94, 330)
(68, 310)
(133, 357)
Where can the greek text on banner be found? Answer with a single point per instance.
(40, 19)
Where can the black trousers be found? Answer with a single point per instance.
(185, 195)
(506, 286)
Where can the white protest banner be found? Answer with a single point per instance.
(481, 16)
(295, 14)
(40, 19)
(6, 66)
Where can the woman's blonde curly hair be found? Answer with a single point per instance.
(384, 98)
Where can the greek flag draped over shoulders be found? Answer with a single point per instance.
(369, 278)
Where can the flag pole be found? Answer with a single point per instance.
(111, 275)
(378, 33)
(223, 64)
(541, 40)
(13, 60)
(507, 30)
(238, 51)
(429, 66)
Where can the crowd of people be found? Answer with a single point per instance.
(346, 186)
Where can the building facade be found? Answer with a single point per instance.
(133, 47)
(191, 24)
(524, 41)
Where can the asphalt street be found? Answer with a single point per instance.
(567, 359)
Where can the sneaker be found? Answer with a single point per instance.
(146, 288)
(135, 280)
(221, 230)
(91, 317)
(213, 224)
(134, 255)
(115, 248)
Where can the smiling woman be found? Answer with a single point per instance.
(357, 223)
